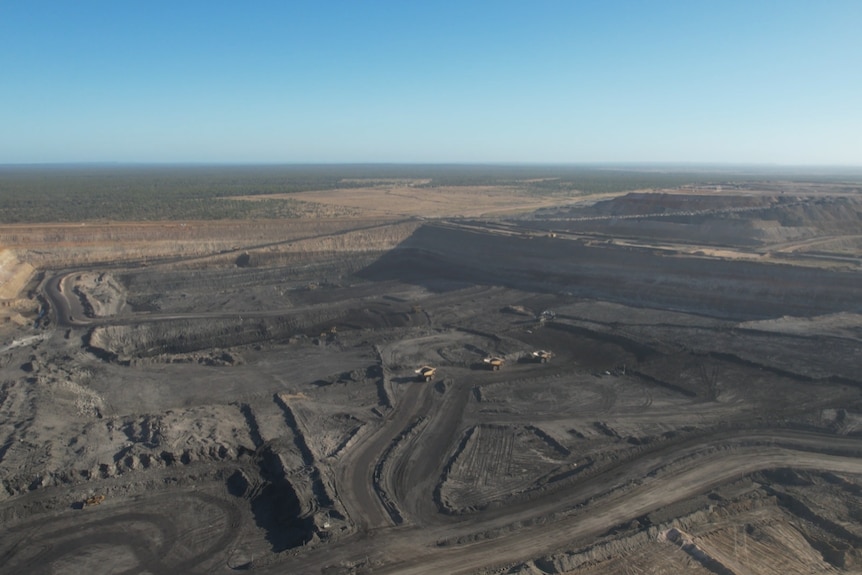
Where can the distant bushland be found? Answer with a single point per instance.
(64, 193)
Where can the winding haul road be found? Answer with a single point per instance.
(428, 541)
(586, 509)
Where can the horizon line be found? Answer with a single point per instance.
(602, 164)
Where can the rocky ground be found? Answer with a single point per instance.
(256, 406)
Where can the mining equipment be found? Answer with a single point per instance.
(542, 356)
(328, 335)
(426, 373)
(93, 500)
(546, 315)
(495, 362)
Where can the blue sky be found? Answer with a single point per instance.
(366, 81)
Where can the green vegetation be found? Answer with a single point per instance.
(80, 193)
(90, 192)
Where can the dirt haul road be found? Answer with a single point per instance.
(125, 537)
(613, 498)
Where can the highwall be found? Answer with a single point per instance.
(439, 257)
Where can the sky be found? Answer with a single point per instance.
(538, 81)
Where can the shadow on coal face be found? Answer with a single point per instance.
(276, 510)
(413, 263)
(441, 259)
(432, 273)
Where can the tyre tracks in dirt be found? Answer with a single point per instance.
(615, 508)
(149, 537)
(528, 529)
(358, 489)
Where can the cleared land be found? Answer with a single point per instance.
(244, 394)
(418, 199)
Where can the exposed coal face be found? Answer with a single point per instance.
(441, 258)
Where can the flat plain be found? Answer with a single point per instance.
(213, 395)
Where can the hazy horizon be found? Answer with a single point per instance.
(730, 167)
(734, 84)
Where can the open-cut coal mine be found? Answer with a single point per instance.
(658, 381)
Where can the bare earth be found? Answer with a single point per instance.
(416, 200)
(206, 397)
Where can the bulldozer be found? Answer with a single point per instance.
(495, 362)
(426, 373)
(542, 356)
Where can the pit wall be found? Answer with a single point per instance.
(70, 245)
(14, 275)
(435, 254)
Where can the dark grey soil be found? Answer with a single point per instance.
(268, 417)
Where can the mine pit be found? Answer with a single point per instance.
(677, 389)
